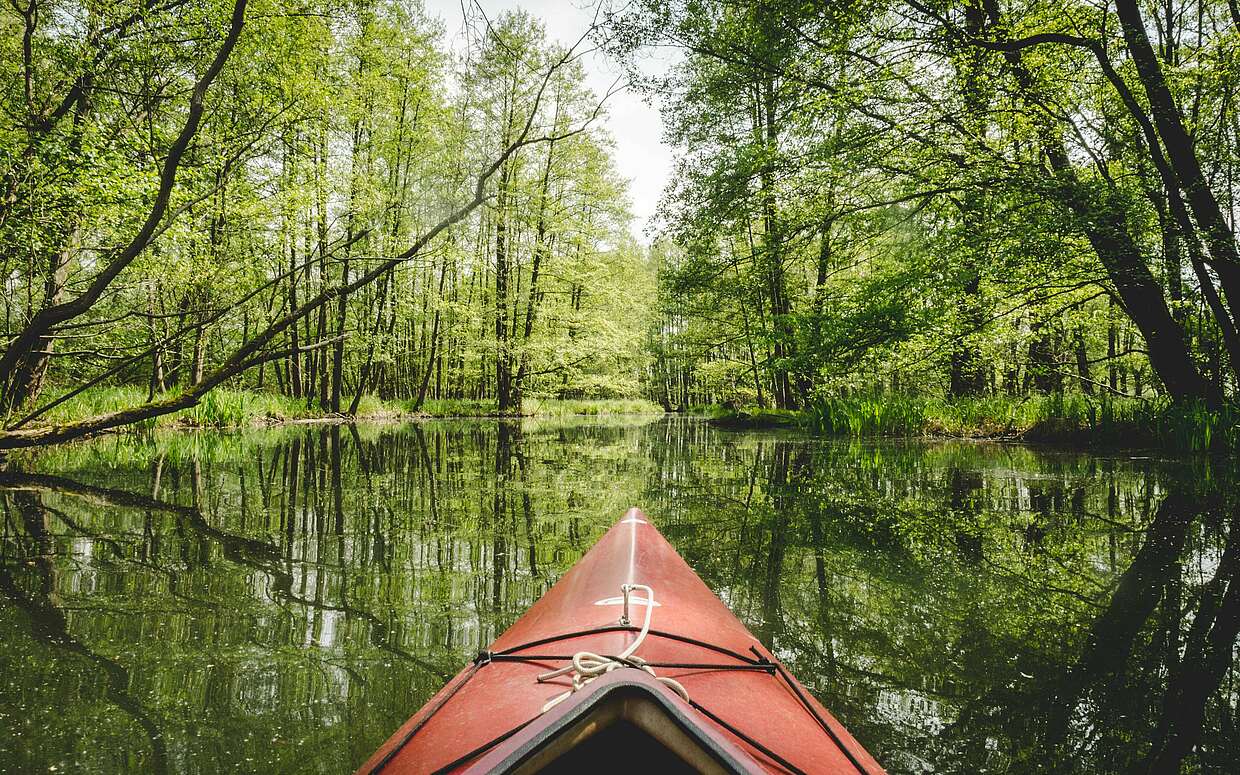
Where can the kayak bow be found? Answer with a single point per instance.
(629, 660)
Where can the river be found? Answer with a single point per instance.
(279, 601)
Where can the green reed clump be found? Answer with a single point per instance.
(751, 417)
(220, 409)
(227, 408)
(1070, 418)
(223, 408)
(1194, 427)
(895, 415)
(97, 400)
(1184, 426)
(373, 406)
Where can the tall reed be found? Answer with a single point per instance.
(1074, 418)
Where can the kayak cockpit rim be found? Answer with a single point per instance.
(623, 716)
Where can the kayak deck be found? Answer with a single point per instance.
(744, 713)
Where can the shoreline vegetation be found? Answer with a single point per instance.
(229, 409)
(1074, 420)
(1080, 421)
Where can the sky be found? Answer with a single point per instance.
(640, 153)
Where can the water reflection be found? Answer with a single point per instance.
(280, 601)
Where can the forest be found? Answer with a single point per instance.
(876, 209)
(950, 199)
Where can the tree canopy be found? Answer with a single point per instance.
(321, 199)
(947, 197)
(331, 200)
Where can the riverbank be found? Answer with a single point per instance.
(540, 407)
(1075, 420)
(247, 409)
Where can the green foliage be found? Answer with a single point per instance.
(220, 408)
(336, 136)
(1107, 422)
(752, 417)
(868, 416)
(934, 218)
(564, 408)
(457, 407)
(229, 408)
(99, 400)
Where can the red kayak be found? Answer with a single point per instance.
(628, 662)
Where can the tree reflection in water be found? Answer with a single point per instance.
(280, 601)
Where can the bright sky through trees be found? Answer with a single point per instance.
(640, 154)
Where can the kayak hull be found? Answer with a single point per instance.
(745, 712)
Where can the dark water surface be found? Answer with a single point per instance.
(280, 601)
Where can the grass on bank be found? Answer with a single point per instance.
(221, 408)
(1075, 419)
(1071, 419)
(537, 407)
(226, 408)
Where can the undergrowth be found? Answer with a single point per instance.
(1077, 419)
(227, 408)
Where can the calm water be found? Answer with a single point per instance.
(281, 601)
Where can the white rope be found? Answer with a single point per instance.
(587, 666)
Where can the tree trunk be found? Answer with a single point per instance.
(1082, 362)
(533, 296)
(200, 350)
(434, 343)
(783, 335)
(1181, 152)
(503, 269)
(967, 371)
(1105, 224)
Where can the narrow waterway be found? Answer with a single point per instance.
(280, 601)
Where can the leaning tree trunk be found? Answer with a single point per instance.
(32, 337)
(1181, 151)
(1104, 222)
